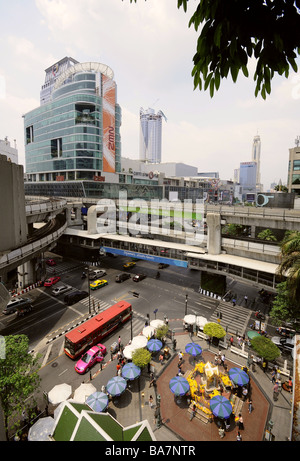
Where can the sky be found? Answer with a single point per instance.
(150, 49)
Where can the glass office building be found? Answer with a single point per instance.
(75, 133)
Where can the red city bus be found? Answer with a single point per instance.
(95, 329)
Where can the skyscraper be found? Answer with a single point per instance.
(75, 133)
(150, 135)
(256, 146)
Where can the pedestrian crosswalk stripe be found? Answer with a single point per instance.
(234, 318)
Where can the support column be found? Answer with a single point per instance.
(27, 273)
(214, 237)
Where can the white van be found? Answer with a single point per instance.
(95, 274)
(15, 304)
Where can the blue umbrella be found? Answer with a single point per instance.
(98, 401)
(179, 385)
(220, 406)
(116, 386)
(238, 376)
(193, 349)
(154, 345)
(130, 371)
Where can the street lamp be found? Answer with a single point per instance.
(89, 288)
(186, 300)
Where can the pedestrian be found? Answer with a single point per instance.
(275, 391)
(231, 340)
(119, 342)
(290, 384)
(118, 367)
(223, 360)
(180, 355)
(250, 406)
(238, 436)
(161, 359)
(152, 380)
(193, 414)
(245, 393)
(151, 401)
(174, 344)
(227, 424)
(221, 432)
(246, 299)
(264, 366)
(273, 375)
(241, 422)
(234, 302)
(216, 359)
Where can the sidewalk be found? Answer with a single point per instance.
(133, 405)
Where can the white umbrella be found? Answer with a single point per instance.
(148, 331)
(128, 351)
(190, 319)
(201, 321)
(59, 393)
(157, 323)
(139, 341)
(41, 430)
(83, 391)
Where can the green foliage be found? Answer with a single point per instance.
(19, 377)
(141, 357)
(265, 348)
(284, 309)
(290, 264)
(233, 229)
(214, 330)
(161, 332)
(268, 235)
(233, 31)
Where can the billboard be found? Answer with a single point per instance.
(109, 104)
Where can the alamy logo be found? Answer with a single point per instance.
(138, 217)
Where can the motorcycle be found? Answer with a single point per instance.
(259, 315)
(157, 275)
(83, 275)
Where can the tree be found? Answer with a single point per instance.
(19, 379)
(141, 357)
(268, 235)
(290, 263)
(214, 330)
(265, 348)
(233, 31)
(283, 308)
(161, 332)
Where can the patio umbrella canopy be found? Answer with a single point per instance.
(238, 376)
(41, 430)
(190, 319)
(179, 385)
(201, 321)
(129, 350)
(98, 401)
(116, 386)
(131, 371)
(252, 334)
(220, 406)
(59, 393)
(154, 345)
(193, 349)
(148, 331)
(83, 391)
(139, 341)
(156, 323)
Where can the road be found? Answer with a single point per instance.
(175, 292)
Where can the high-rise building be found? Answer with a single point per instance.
(256, 147)
(293, 181)
(248, 174)
(150, 135)
(11, 153)
(75, 133)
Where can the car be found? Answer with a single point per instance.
(50, 262)
(93, 355)
(123, 276)
(61, 289)
(74, 297)
(286, 332)
(162, 265)
(139, 277)
(286, 344)
(51, 281)
(130, 264)
(98, 284)
(96, 273)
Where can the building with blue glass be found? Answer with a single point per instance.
(75, 133)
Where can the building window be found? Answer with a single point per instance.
(29, 134)
(56, 147)
(296, 179)
(296, 165)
